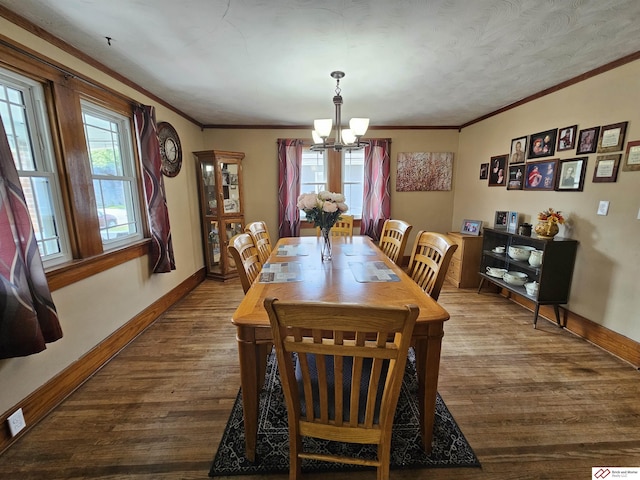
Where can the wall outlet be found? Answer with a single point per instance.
(16, 422)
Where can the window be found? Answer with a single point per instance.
(113, 173)
(25, 123)
(321, 171)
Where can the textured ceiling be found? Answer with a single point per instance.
(407, 63)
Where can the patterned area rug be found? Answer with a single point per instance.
(450, 447)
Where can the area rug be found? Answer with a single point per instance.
(450, 447)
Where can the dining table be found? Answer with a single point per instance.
(359, 272)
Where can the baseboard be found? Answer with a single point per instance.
(614, 343)
(43, 400)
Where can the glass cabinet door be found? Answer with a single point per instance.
(231, 188)
(209, 188)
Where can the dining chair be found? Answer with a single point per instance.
(430, 260)
(345, 381)
(261, 239)
(246, 257)
(342, 228)
(393, 239)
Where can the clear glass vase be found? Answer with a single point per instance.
(326, 244)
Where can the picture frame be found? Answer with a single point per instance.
(567, 138)
(542, 144)
(498, 170)
(606, 169)
(518, 150)
(471, 227)
(611, 137)
(512, 222)
(501, 220)
(541, 175)
(587, 140)
(516, 177)
(484, 171)
(632, 157)
(571, 173)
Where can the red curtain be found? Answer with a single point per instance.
(376, 207)
(29, 317)
(289, 165)
(162, 259)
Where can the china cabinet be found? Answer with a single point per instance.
(552, 268)
(221, 208)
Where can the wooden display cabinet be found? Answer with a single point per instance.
(465, 262)
(553, 275)
(221, 208)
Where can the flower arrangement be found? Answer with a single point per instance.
(551, 216)
(323, 209)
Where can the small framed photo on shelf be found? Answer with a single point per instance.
(612, 137)
(498, 171)
(516, 177)
(541, 175)
(512, 222)
(588, 140)
(471, 227)
(606, 168)
(501, 220)
(484, 171)
(567, 138)
(518, 150)
(571, 176)
(632, 157)
(542, 144)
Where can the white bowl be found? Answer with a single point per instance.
(520, 252)
(532, 288)
(515, 278)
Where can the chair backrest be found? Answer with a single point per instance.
(342, 228)
(345, 383)
(245, 255)
(261, 239)
(429, 261)
(393, 239)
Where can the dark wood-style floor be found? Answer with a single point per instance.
(534, 404)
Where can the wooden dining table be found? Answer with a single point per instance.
(358, 273)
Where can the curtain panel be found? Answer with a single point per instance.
(289, 165)
(376, 207)
(161, 255)
(29, 317)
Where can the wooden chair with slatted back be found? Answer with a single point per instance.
(246, 257)
(346, 381)
(342, 228)
(261, 239)
(393, 239)
(430, 260)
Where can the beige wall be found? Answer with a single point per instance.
(605, 285)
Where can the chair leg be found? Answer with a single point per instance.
(295, 463)
(384, 456)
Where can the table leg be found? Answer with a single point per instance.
(249, 381)
(428, 367)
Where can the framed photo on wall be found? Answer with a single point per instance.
(612, 137)
(501, 220)
(471, 227)
(632, 157)
(606, 168)
(567, 138)
(588, 140)
(541, 175)
(484, 171)
(516, 177)
(518, 150)
(498, 171)
(571, 176)
(542, 144)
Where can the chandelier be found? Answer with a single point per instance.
(348, 138)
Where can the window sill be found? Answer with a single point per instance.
(69, 273)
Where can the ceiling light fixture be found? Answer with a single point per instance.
(348, 138)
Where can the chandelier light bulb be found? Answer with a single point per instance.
(317, 139)
(323, 127)
(348, 137)
(359, 126)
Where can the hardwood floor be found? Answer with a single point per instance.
(534, 404)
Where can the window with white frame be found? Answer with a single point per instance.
(24, 117)
(317, 175)
(108, 136)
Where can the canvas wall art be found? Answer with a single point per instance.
(424, 171)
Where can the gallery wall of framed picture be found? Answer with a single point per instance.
(527, 166)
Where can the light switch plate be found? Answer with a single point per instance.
(603, 207)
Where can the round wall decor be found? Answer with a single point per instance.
(170, 149)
